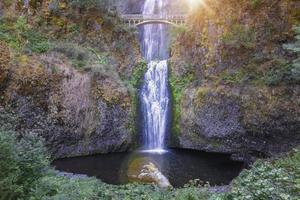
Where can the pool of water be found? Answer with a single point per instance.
(179, 166)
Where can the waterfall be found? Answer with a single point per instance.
(155, 91)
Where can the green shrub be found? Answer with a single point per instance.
(269, 180)
(286, 72)
(77, 54)
(277, 73)
(22, 163)
(20, 36)
(293, 73)
(138, 74)
(295, 46)
(240, 36)
(8, 119)
(36, 42)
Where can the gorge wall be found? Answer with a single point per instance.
(69, 73)
(234, 87)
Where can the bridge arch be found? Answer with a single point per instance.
(139, 20)
(155, 22)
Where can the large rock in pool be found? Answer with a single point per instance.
(143, 170)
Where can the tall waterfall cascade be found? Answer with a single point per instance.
(155, 92)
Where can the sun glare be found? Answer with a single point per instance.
(195, 3)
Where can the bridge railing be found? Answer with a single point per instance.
(154, 17)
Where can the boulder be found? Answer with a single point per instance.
(143, 170)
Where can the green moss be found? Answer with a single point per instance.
(178, 85)
(134, 83)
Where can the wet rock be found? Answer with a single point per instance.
(150, 173)
(143, 170)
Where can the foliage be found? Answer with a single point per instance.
(22, 163)
(7, 3)
(269, 180)
(101, 58)
(8, 119)
(87, 4)
(294, 47)
(240, 36)
(74, 52)
(37, 43)
(178, 84)
(284, 71)
(20, 35)
(255, 3)
(138, 74)
(56, 187)
(236, 77)
(294, 67)
(277, 74)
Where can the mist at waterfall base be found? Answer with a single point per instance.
(179, 166)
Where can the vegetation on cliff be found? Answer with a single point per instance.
(245, 67)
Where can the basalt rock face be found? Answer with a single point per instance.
(246, 122)
(67, 110)
(230, 83)
(76, 93)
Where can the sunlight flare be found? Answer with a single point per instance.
(195, 3)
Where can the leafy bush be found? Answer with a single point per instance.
(277, 73)
(138, 74)
(294, 68)
(99, 4)
(36, 42)
(287, 72)
(20, 35)
(76, 53)
(22, 163)
(269, 180)
(240, 36)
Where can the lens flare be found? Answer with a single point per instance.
(193, 4)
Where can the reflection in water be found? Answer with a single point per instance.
(179, 166)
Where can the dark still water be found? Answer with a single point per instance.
(179, 166)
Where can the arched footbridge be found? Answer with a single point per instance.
(139, 20)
